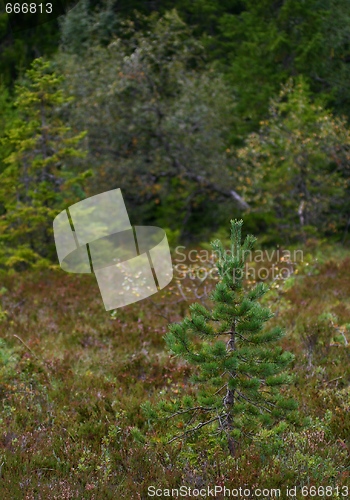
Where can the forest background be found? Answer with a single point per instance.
(217, 108)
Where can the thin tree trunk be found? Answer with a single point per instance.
(229, 398)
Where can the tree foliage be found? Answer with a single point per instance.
(38, 179)
(167, 100)
(19, 49)
(7, 115)
(157, 121)
(298, 165)
(269, 41)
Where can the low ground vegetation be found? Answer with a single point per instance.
(70, 427)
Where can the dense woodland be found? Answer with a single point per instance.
(202, 112)
(209, 109)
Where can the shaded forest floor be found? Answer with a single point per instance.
(73, 377)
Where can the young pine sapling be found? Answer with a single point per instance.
(239, 367)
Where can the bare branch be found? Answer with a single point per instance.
(180, 412)
(199, 426)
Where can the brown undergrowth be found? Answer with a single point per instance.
(73, 377)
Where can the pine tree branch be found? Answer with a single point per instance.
(191, 419)
(245, 360)
(199, 426)
(219, 390)
(252, 402)
(261, 380)
(236, 333)
(244, 338)
(180, 412)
